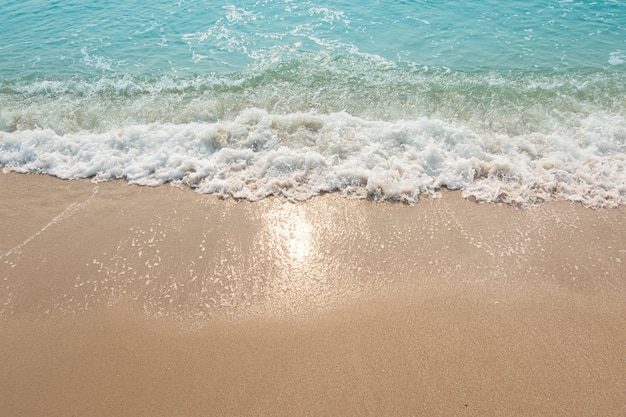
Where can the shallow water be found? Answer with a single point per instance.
(520, 102)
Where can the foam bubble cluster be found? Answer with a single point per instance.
(302, 154)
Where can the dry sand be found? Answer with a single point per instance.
(118, 300)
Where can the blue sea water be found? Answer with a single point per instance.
(519, 101)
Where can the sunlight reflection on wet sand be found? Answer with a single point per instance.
(299, 269)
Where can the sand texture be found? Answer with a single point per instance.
(119, 300)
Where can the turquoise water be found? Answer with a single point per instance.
(522, 102)
(88, 38)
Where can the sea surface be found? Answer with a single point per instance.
(518, 102)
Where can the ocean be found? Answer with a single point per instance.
(520, 102)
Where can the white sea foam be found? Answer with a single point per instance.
(617, 58)
(299, 155)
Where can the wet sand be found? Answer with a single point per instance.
(134, 301)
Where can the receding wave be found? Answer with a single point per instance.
(362, 128)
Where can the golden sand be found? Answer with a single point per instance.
(119, 300)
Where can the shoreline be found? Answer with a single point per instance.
(128, 300)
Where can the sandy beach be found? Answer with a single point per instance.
(120, 300)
